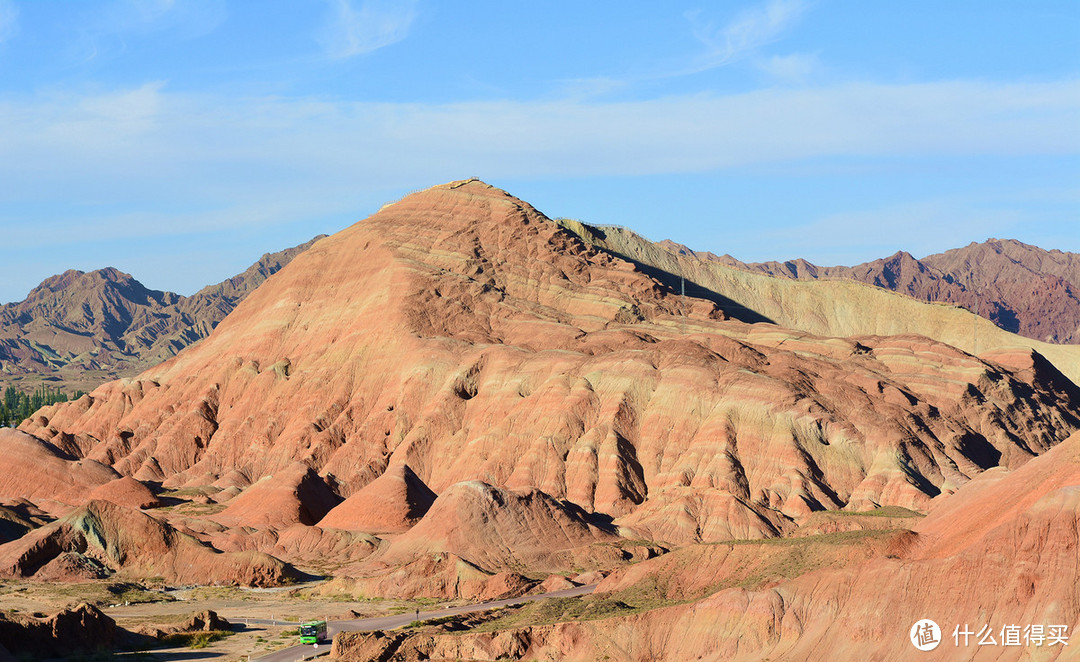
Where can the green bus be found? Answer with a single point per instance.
(313, 632)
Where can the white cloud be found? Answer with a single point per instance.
(215, 161)
(584, 88)
(9, 20)
(189, 18)
(376, 24)
(104, 31)
(921, 228)
(148, 161)
(744, 35)
(797, 67)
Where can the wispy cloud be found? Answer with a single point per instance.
(744, 35)
(127, 155)
(107, 29)
(9, 20)
(189, 18)
(148, 161)
(741, 37)
(107, 138)
(374, 25)
(920, 227)
(794, 68)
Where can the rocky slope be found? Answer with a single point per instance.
(102, 539)
(461, 397)
(1002, 566)
(82, 630)
(1021, 288)
(392, 503)
(78, 328)
(829, 307)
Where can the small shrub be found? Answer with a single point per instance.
(195, 640)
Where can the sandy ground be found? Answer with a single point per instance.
(287, 607)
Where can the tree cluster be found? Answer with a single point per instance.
(17, 406)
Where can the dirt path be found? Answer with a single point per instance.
(302, 652)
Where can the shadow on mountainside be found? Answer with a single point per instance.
(678, 284)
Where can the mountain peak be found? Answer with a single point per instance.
(107, 320)
(57, 282)
(472, 187)
(73, 280)
(463, 260)
(111, 274)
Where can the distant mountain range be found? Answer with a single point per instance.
(78, 329)
(1021, 288)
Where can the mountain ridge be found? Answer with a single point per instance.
(81, 328)
(1024, 289)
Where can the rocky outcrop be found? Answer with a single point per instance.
(127, 492)
(439, 576)
(294, 495)
(36, 470)
(204, 621)
(476, 339)
(16, 521)
(315, 546)
(391, 503)
(82, 629)
(498, 529)
(102, 539)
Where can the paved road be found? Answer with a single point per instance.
(299, 652)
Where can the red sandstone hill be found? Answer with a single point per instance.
(81, 327)
(1001, 551)
(462, 333)
(391, 503)
(459, 396)
(1023, 289)
(101, 539)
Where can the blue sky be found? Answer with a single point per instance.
(179, 140)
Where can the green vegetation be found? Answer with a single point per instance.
(793, 557)
(434, 621)
(97, 593)
(883, 511)
(837, 538)
(219, 593)
(194, 509)
(17, 406)
(188, 492)
(559, 610)
(135, 594)
(195, 639)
